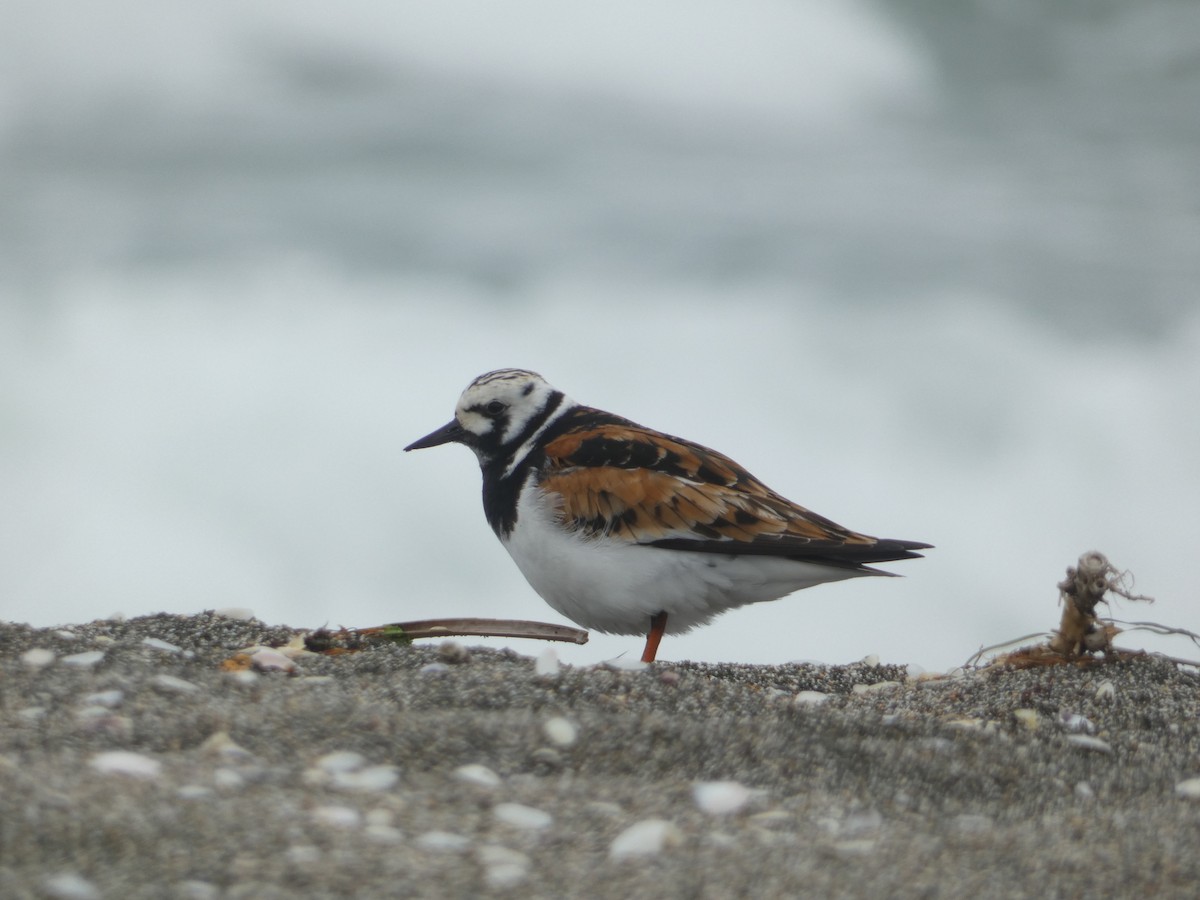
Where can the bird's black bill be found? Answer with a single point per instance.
(447, 434)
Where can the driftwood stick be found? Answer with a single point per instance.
(516, 628)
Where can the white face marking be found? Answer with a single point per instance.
(508, 400)
(474, 422)
(524, 449)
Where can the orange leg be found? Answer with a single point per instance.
(658, 624)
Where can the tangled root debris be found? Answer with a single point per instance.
(1085, 586)
(1082, 637)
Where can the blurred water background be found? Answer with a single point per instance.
(930, 269)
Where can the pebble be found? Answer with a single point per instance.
(434, 668)
(169, 684)
(379, 816)
(302, 854)
(547, 665)
(1029, 719)
(227, 779)
(605, 808)
(337, 816)
(340, 761)
(371, 780)
(37, 657)
(478, 775)
(720, 798)
(1188, 789)
(932, 679)
(766, 838)
(383, 834)
(219, 743)
(520, 816)
(442, 842)
(502, 866)
(876, 687)
(98, 720)
(936, 744)
(854, 848)
(722, 840)
(829, 824)
(193, 792)
(92, 712)
(83, 660)
(453, 653)
(810, 698)
(1106, 692)
(560, 732)
(858, 824)
(267, 659)
(31, 713)
(648, 837)
(1084, 791)
(546, 758)
(156, 644)
(69, 886)
(1087, 742)
(124, 762)
(237, 613)
(968, 723)
(197, 890)
(972, 823)
(771, 818)
(1075, 723)
(626, 664)
(108, 699)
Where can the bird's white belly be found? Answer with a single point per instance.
(612, 586)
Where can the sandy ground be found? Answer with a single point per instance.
(144, 770)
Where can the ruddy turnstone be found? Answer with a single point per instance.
(626, 530)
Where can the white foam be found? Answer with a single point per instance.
(803, 61)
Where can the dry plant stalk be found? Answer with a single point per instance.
(405, 632)
(351, 640)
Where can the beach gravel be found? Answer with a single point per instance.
(135, 764)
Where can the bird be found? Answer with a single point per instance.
(627, 530)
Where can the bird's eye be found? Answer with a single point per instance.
(494, 408)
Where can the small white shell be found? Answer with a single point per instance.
(520, 816)
(560, 732)
(648, 837)
(721, 798)
(124, 762)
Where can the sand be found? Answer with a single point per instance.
(145, 770)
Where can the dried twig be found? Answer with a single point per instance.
(405, 632)
(1156, 628)
(994, 648)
